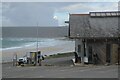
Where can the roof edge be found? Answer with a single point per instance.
(79, 14)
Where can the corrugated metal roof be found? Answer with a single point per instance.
(104, 14)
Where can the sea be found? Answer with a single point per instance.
(62, 44)
(15, 43)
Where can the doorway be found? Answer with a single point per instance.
(90, 58)
(108, 53)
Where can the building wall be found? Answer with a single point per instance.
(114, 53)
(104, 52)
(100, 49)
(79, 49)
(77, 42)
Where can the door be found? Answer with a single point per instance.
(108, 53)
(90, 54)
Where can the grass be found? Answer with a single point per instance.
(58, 55)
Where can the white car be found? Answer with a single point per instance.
(22, 60)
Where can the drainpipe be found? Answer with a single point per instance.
(82, 52)
(87, 54)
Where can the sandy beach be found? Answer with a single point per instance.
(67, 46)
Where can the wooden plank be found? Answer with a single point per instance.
(114, 53)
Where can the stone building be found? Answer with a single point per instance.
(96, 33)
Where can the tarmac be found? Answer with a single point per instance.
(59, 68)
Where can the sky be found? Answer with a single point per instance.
(47, 13)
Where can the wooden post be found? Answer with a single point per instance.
(40, 62)
(40, 59)
(15, 59)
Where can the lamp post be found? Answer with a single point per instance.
(38, 52)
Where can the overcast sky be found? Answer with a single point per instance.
(47, 13)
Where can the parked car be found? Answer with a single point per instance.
(22, 60)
